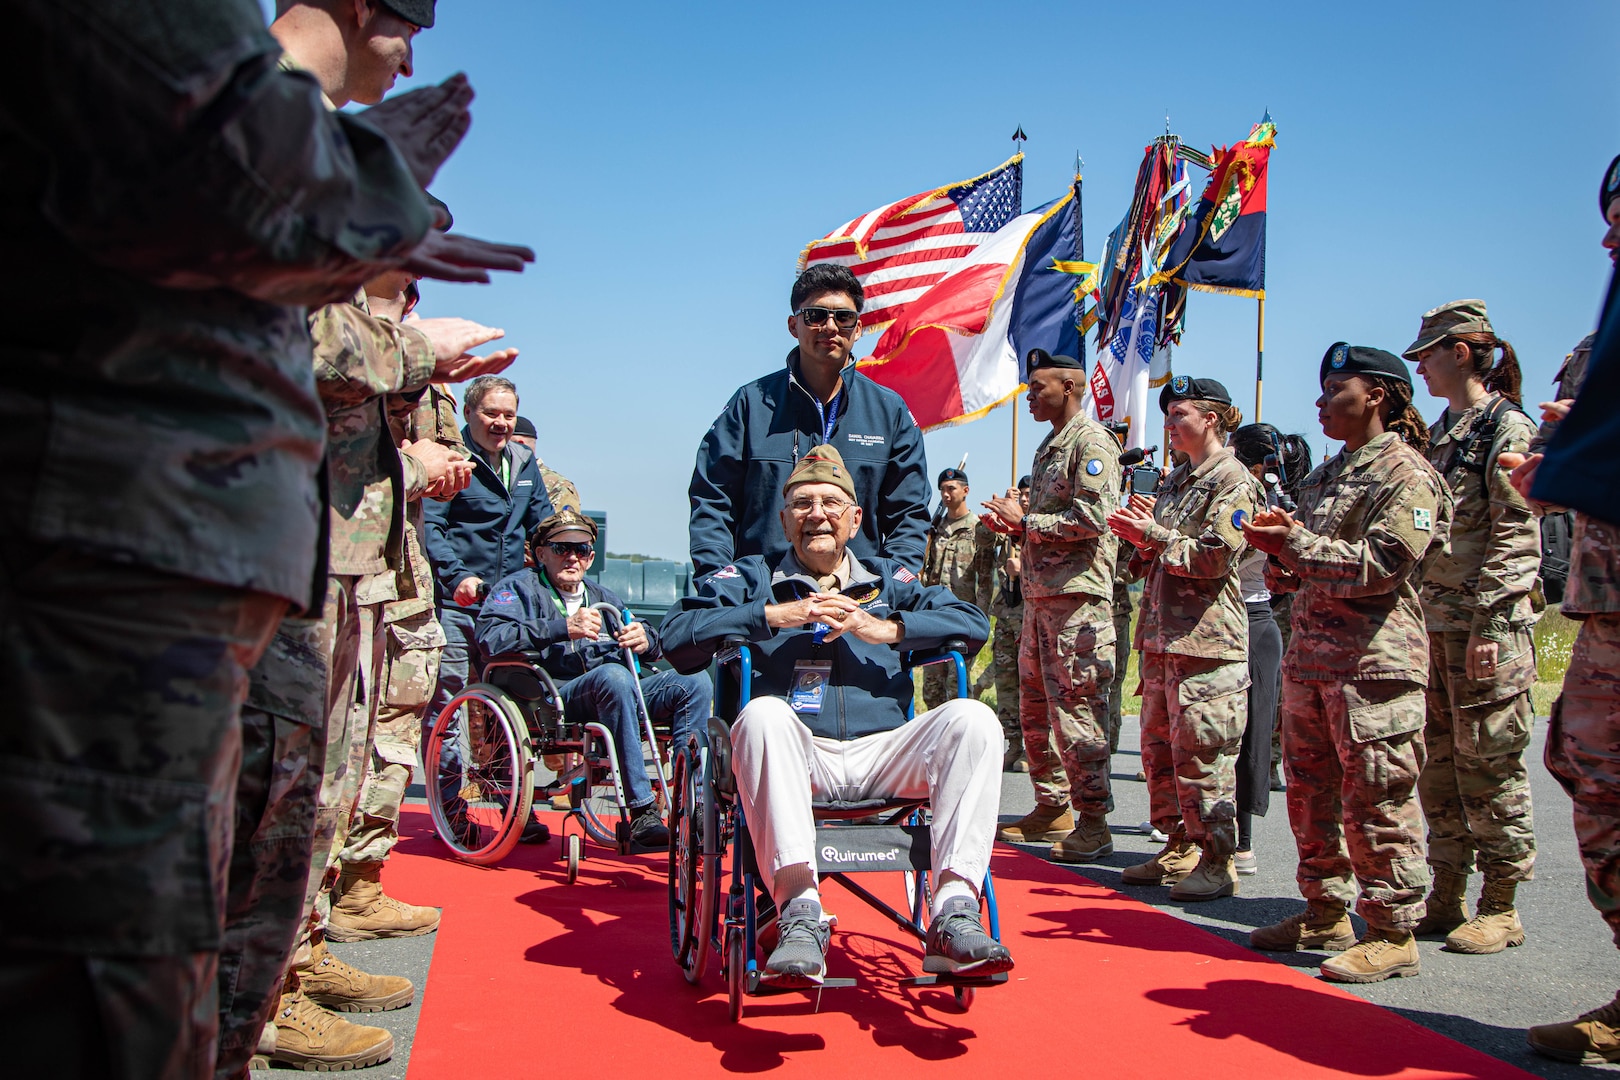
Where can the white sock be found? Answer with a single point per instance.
(952, 886)
(796, 882)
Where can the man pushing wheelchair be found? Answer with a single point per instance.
(828, 720)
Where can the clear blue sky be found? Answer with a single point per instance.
(669, 161)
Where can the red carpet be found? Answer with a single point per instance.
(534, 977)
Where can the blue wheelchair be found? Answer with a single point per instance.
(501, 728)
(737, 922)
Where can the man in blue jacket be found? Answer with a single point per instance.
(549, 611)
(478, 537)
(828, 716)
(817, 398)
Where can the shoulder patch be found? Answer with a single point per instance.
(505, 596)
(1422, 518)
(901, 574)
(1094, 467)
(728, 571)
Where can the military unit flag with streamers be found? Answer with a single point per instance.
(1223, 247)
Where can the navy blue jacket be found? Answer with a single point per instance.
(1579, 471)
(767, 426)
(481, 532)
(521, 614)
(868, 688)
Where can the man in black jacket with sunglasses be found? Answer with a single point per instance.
(772, 422)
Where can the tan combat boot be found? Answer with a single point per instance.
(310, 1038)
(329, 981)
(1089, 842)
(1495, 925)
(1446, 910)
(1044, 823)
(1174, 861)
(266, 1048)
(1215, 876)
(1324, 925)
(362, 910)
(1382, 954)
(1592, 1038)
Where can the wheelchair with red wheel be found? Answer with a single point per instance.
(489, 740)
(716, 905)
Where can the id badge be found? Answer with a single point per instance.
(809, 685)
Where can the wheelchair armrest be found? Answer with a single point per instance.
(731, 647)
(720, 753)
(924, 657)
(520, 674)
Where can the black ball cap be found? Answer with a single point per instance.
(1345, 359)
(525, 427)
(952, 474)
(1024, 481)
(416, 12)
(1186, 388)
(1040, 358)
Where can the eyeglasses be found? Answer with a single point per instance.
(845, 318)
(833, 507)
(584, 549)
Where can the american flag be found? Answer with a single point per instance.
(899, 250)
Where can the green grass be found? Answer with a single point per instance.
(1555, 636)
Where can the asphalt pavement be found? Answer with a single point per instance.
(1566, 966)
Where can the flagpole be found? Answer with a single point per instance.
(1013, 482)
(1259, 355)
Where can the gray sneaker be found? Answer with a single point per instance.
(958, 945)
(800, 956)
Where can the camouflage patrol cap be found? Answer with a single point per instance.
(1610, 188)
(564, 520)
(821, 465)
(1457, 317)
(1345, 359)
(415, 12)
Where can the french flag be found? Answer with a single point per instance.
(955, 352)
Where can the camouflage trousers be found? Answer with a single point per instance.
(939, 684)
(1475, 789)
(1193, 712)
(1116, 688)
(1004, 657)
(120, 756)
(1583, 752)
(1065, 663)
(412, 646)
(1354, 753)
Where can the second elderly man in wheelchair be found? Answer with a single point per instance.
(550, 610)
(828, 719)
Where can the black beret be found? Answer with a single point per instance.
(415, 12)
(525, 427)
(1610, 188)
(952, 474)
(1024, 481)
(1343, 359)
(444, 211)
(1040, 358)
(1186, 388)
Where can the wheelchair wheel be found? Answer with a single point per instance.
(576, 848)
(478, 765)
(964, 997)
(737, 974)
(694, 873)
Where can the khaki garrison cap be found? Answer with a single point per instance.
(821, 465)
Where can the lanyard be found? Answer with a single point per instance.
(829, 414)
(556, 597)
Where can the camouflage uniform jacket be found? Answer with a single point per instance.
(1366, 522)
(1483, 584)
(559, 489)
(1122, 582)
(359, 361)
(176, 203)
(432, 416)
(1568, 383)
(1007, 592)
(1074, 486)
(960, 557)
(1191, 601)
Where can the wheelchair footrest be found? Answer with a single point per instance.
(955, 980)
(758, 987)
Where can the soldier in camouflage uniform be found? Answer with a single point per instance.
(1066, 654)
(1007, 613)
(1356, 667)
(1121, 607)
(1477, 607)
(1194, 639)
(960, 557)
(1585, 727)
(165, 363)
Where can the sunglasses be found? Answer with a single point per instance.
(845, 318)
(584, 549)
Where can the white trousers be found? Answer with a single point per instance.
(952, 755)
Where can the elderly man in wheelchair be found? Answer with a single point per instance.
(828, 720)
(548, 609)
